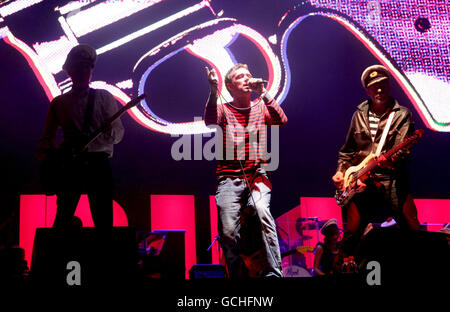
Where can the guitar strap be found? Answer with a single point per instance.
(88, 114)
(385, 132)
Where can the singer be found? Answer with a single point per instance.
(247, 231)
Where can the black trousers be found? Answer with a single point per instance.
(382, 198)
(88, 174)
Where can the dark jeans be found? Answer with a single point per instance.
(90, 174)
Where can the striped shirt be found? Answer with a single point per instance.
(374, 120)
(244, 134)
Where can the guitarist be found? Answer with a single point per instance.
(79, 112)
(386, 192)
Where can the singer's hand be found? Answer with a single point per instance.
(256, 85)
(212, 79)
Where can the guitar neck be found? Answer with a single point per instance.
(106, 124)
(110, 120)
(366, 169)
(407, 143)
(395, 149)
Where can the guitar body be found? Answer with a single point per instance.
(349, 173)
(349, 185)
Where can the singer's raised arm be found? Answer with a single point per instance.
(213, 113)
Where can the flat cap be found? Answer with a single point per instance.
(79, 55)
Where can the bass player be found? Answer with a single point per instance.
(385, 193)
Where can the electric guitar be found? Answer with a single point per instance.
(53, 167)
(362, 171)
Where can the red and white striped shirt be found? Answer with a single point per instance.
(244, 134)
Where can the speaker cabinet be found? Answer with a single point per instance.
(407, 257)
(84, 256)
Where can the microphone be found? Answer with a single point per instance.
(259, 80)
(256, 82)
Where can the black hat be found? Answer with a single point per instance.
(80, 54)
(374, 74)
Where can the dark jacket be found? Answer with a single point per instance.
(359, 144)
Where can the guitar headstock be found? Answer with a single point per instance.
(135, 101)
(417, 136)
(419, 133)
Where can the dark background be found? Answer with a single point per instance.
(326, 63)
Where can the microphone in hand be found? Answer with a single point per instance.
(257, 81)
(257, 84)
